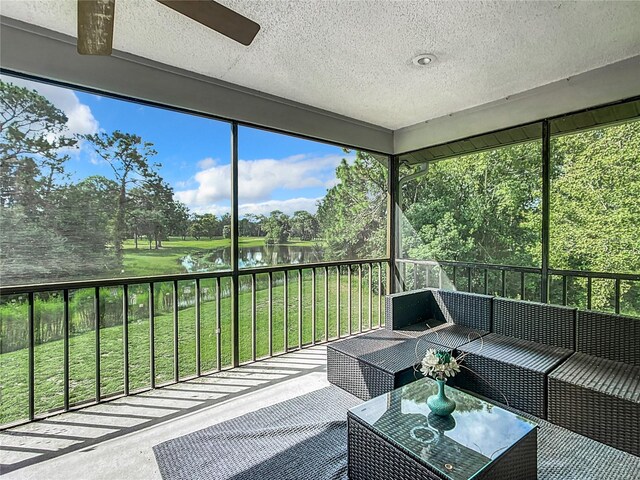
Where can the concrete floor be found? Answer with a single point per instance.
(114, 440)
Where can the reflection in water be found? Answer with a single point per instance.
(220, 258)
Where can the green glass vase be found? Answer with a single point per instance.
(439, 403)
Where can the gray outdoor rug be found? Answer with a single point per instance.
(306, 438)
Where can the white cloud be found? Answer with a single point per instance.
(260, 178)
(80, 118)
(184, 183)
(207, 163)
(288, 206)
(217, 210)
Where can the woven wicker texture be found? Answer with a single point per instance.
(514, 351)
(510, 369)
(415, 330)
(452, 336)
(387, 350)
(598, 398)
(461, 447)
(296, 438)
(368, 342)
(519, 387)
(375, 363)
(407, 308)
(615, 337)
(520, 462)
(601, 375)
(536, 322)
(358, 378)
(565, 455)
(467, 309)
(371, 458)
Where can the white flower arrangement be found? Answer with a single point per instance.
(439, 364)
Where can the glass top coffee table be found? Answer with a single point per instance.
(395, 436)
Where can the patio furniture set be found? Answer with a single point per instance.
(577, 369)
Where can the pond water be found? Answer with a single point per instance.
(220, 258)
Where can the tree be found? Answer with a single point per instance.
(152, 208)
(32, 135)
(254, 225)
(277, 227)
(40, 215)
(180, 220)
(21, 241)
(211, 225)
(595, 211)
(483, 207)
(129, 158)
(486, 208)
(304, 225)
(352, 216)
(87, 230)
(197, 227)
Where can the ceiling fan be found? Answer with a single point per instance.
(95, 22)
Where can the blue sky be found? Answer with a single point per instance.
(276, 171)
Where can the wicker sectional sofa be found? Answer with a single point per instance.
(596, 392)
(579, 369)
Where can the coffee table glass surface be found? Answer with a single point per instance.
(459, 446)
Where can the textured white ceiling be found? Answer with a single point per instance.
(353, 57)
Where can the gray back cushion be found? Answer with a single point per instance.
(537, 322)
(614, 337)
(467, 309)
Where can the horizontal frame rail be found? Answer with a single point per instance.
(552, 273)
(119, 282)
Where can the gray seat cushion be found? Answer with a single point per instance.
(601, 375)
(452, 336)
(388, 350)
(514, 351)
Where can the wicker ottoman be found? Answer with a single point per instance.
(597, 391)
(375, 363)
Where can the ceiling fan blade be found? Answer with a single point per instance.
(95, 26)
(217, 17)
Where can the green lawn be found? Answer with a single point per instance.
(167, 260)
(49, 356)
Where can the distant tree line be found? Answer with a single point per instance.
(277, 227)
